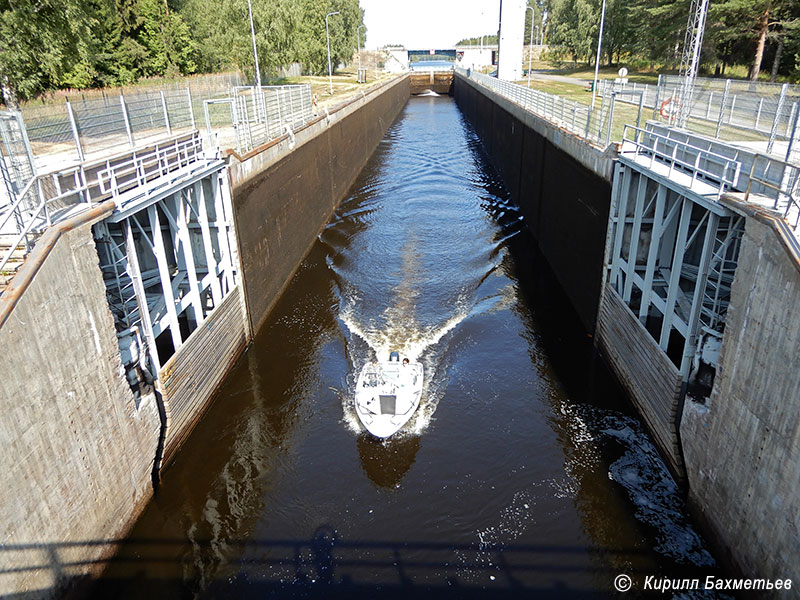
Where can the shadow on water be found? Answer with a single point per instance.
(605, 438)
(325, 565)
(387, 461)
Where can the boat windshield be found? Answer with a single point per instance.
(372, 379)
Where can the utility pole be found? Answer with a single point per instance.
(530, 43)
(599, 47)
(328, 38)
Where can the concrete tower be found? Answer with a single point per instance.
(512, 30)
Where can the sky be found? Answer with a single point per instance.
(425, 24)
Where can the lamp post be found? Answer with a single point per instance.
(255, 51)
(358, 44)
(255, 58)
(328, 39)
(530, 44)
(599, 46)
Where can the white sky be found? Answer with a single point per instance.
(424, 24)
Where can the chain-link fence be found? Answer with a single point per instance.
(764, 114)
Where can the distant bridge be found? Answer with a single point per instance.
(432, 53)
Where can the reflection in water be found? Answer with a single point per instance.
(387, 461)
(520, 474)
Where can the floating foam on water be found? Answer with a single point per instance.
(642, 473)
(513, 521)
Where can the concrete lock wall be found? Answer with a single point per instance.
(281, 199)
(561, 183)
(78, 449)
(742, 447)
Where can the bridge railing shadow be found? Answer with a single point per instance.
(324, 565)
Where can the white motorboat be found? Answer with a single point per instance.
(388, 394)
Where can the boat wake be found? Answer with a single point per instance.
(411, 288)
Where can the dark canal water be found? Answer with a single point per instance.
(524, 473)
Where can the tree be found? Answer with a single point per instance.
(573, 28)
(286, 31)
(166, 37)
(658, 29)
(44, 45)
(618, 35)
(477, 41)
(742, 29)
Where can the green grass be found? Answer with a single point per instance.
(583, 71)
(646, 75)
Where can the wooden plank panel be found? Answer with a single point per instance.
(193, 374)
(646, 372)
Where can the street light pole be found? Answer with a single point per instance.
(530, 44)
(599, 46)
(255, 51)
(358, 43)
(258, 97)
(328, 38)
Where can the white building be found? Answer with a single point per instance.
(475, 57)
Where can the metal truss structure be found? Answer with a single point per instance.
(672, 255)
(168, 260)
(690, 61)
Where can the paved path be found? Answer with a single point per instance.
(560, 78)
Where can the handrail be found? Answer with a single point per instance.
(17, 202)
(787, 188)
(177, 152)
(34, 216)
(186, 152)
(723, 179)
(576, 117)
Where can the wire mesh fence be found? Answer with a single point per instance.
(17, 160)
(594, 124)
(91, 123)
(96, 128)
(249, 118)
(728, 109)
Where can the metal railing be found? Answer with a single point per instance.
(142, 167)
(87, 128)
(248, 118)
(576, 117)
(32, 211)
(786, 195)
(49, 198)
(725, 108)
(695, 162)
